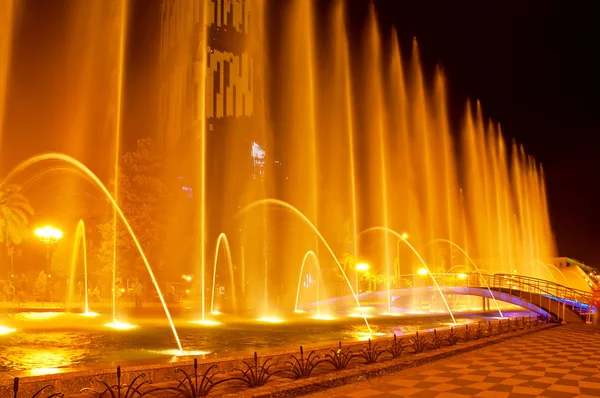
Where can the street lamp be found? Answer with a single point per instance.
(49, 235)
(360, 267)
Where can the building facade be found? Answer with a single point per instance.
(224, 25)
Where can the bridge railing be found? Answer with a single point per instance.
(547, 294)
(525, 287)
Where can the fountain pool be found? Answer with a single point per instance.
(46, 342)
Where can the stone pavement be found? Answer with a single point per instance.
(559, 362)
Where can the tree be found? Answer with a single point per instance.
(15, 212)
(142, 198)
(40, 288)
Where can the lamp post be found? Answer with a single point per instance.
(49, 235)
(360, 267)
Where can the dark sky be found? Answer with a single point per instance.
(531, 63)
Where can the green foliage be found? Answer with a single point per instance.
(15, 212)
(41, 284)
(348, 262)
(142, 198)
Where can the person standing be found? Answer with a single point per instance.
(9, 291)
(138, 290)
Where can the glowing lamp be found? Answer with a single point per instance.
(48, 234)
(270, 319)
(422, 271)
(119, 325)
(462, 276)
(361, 267)
(6, 330)
(404, 235)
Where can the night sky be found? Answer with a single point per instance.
(531, 63)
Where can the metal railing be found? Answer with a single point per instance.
(546, 294)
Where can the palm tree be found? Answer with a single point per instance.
(15, 211)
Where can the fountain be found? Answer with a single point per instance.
(292, 147)
(476, 269)
(310, 255)
(223, 238)
(117, 151)
(425, 266)
(318, 234)
(75, 163)
(7, 16)
(79, 242)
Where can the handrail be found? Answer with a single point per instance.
(582, 292)
(579, 301)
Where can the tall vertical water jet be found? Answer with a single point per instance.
(7, 19)
(298, 88)
(474, 199)
(399, 125)
(200, 155)
(448, 210)
(79, 242)
(117, 145)
(503, 202)
(338, 93)
(424, 144)
(486, 181)
(376, 132)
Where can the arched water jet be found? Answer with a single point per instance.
(79, 240)
(288, 206)
(313, 256)
(468, 269)
(391, 231)
(458, 266)
(583, 278)
(93, 177)
(223, 238)
(556, 268)
(546, 268)
(476, 269)
(32, 180)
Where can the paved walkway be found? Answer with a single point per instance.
(560, 362)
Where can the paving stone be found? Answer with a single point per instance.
(550, 363)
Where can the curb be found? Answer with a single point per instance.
(365, 372)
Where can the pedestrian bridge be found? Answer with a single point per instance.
(537, 295)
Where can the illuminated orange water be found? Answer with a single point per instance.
(7, 10)
(79, 250)
(365, 140)
(354, 136)
(377, 149)
(223, 239)
(102, 188)
(122, 18)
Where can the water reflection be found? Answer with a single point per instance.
(28, 351)
(45, 345)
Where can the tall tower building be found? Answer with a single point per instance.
(229, 91)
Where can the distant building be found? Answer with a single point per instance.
(229, 91)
